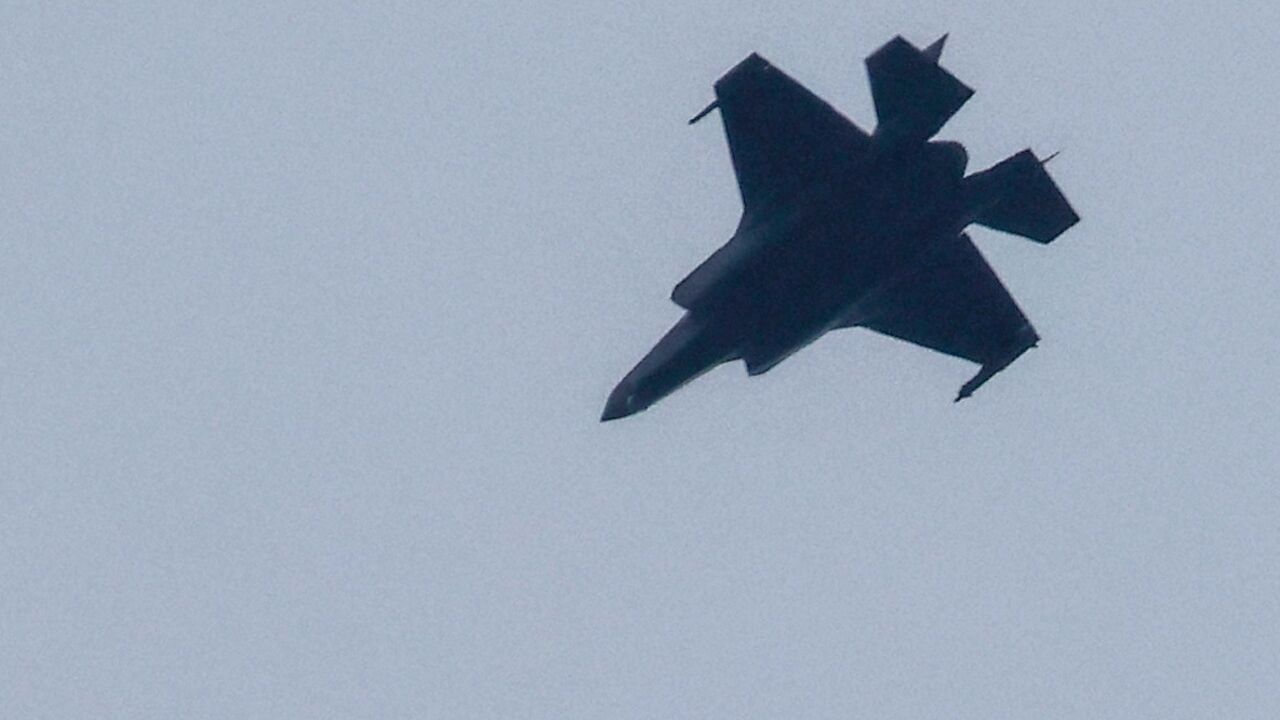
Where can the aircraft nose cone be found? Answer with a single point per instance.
(621, 403)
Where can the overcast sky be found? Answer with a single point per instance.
(307, 318)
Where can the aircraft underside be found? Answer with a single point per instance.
(842, 228)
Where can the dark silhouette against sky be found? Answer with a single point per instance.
(841, 228)
(307, 313)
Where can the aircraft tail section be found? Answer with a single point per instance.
(1018, 196)
(914, 96)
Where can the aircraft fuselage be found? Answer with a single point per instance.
(819, 259)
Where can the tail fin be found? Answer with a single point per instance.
(914, 97)
(1017, 196)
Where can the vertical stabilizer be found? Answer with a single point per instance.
(914, 96)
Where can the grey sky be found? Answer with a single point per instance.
(307, 316)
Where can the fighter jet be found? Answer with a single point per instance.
(844, 229)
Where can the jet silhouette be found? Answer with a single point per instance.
(842, 229)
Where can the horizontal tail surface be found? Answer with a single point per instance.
(1018, 196)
